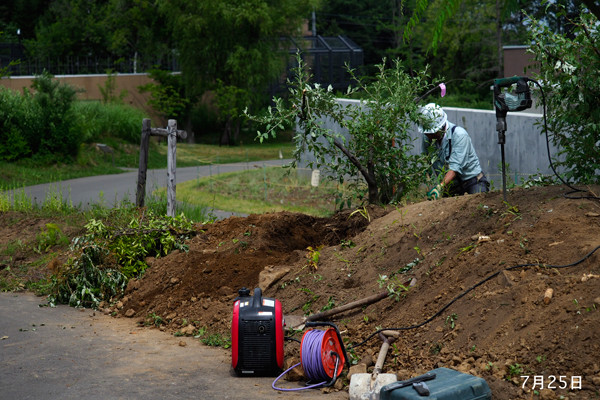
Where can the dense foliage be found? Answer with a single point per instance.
(231, 48)
(48, 123)
(461, 40)
(570, 74)
(103, 260)
(124, 31)
(38, 123)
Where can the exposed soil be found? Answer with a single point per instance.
(476, 303)
(500, 330)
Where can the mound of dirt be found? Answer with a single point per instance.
(467, 275)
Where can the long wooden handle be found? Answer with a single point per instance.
(358, 303)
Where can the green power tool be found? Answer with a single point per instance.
(505, 102)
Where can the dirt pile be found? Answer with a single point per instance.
(467, 257)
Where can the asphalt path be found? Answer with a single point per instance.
(112, 190)
(66, 353)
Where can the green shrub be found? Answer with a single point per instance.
(18, 123)
(55, 139)
(95, 120)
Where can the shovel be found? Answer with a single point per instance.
(368, 386)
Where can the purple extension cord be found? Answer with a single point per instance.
(312, 365)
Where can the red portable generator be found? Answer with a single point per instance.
(256, 335)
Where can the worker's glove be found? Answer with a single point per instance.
(435, 193)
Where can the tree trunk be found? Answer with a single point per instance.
(226, 135)
(236, 131)
(369, 177)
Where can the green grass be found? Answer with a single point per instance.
(91, 161)
(190, 155)
(259, 190)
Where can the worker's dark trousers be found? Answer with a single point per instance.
(477, 184)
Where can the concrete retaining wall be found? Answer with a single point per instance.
(525, 148)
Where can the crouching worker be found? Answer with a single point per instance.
(455, 151)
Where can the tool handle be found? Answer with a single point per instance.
(421, 378)
(421, 388)
(381, 358)
(504, 82)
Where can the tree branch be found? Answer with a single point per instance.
(355, 161)
(594, 8)
(591, 39)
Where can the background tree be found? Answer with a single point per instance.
(504, 7)
(167, 96)
(461, 40)
(376, 25)
(235, 42)
(22, 15)
(137, 31)
(570, 74)
(123, 30)
(71, 28)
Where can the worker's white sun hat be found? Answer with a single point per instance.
(435, 118)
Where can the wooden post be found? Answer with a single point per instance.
(144, 145)
(171, 133)
(171, 167)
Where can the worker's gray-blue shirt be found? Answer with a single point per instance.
(457, 151)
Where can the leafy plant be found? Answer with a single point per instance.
(330, 304)
(56, 139)
(468, 248)
(435, 348)
(540, 359)
(512, 210)
(307, 306)
(153, 319)
(395, 289)
(146, 235)
(378, 151)
(538, 180)
(313, 256)
(108, 90)
(362, 211)
(451, 320)
(102, 261)
(217, 340)
(19, 117)
(85, 281)
(570, 73)
(347, 243)
(514, 370)
(51, 236)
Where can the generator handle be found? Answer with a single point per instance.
(310, 324)
(257, 297)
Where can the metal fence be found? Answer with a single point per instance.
(327, 57)
(77, 65)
